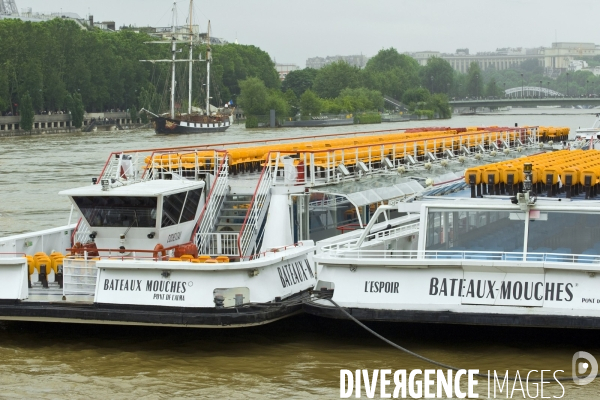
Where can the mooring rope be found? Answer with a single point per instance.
(412, 353)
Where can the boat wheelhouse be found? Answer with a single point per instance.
(520, 254)
(223, 235)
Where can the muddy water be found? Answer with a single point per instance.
(297, 358)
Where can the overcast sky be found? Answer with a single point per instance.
(292, 31)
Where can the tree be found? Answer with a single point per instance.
(414, 96)
(310, 104)
(391, 73)
(492, 88)
(438, 103)
(474, 80)
(253, 97)
(27, 113)
(442, 73)
(334, 77)
(78, 111)
(292, 100)
(299, 81)
(4, 89)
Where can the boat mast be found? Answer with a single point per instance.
(191, 62)
(208, 60)
(174, 51)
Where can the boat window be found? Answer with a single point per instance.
(191, 205)
(180, 207)
(481, 230)
(564, 233)
(118, 211)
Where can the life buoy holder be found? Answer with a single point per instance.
(158, 249)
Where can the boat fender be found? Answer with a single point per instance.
(158, 249)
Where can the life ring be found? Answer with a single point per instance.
(159, 248)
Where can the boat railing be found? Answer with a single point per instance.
(79, 276)
(386, 234)
(250, 232)
(313, 167)
(143, 165)
(463, 255)
(212, 207)
(219, 243)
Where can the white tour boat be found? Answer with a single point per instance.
(223, 235)
(587, 133)
(519, 245)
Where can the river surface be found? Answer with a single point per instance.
(297, 358)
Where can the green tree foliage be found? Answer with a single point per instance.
(361, 99)
(253, 97)
(51, 59)
(491, 89)
(310, 103)
(78, 111)
(233, 63)
(335, 77)
(292, 101)
(391, 73)
(4, 89)
(27, 113)
(474, 81)
(299, 81)
(412, 97)
(438, 103)
(257, 99)
(278, 102)
(442, 73)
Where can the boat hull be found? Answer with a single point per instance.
(169, 126)
(322, 309)
(119, 314)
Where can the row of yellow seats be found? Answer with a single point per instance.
(50, 262)
(202, 259)
(576, 164)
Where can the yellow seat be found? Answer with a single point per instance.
(222, 259)
(174, 259)
(186, 257)
(211, 261)
(203, 258)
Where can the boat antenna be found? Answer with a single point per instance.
(191, 59)
(208, 60)
(174, 52)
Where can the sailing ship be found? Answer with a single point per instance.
(190, 122)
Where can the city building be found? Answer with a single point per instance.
(284, 69)
(319, 62)
(555, 59)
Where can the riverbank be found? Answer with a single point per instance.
(62, 123)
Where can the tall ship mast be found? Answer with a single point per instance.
(192, 122)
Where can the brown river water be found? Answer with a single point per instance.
(296, 358)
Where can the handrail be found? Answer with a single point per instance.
(254, 210)
(463, 255)
(210, 211)
(297, 138)
(355, 243)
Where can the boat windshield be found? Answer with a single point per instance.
(476, 230)
(560, 232)
(118, 211)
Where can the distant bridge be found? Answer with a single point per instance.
(532, 91)
(520, 102)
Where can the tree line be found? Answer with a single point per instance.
(339, 87)
(57, 65)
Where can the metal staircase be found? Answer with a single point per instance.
(252, 230)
